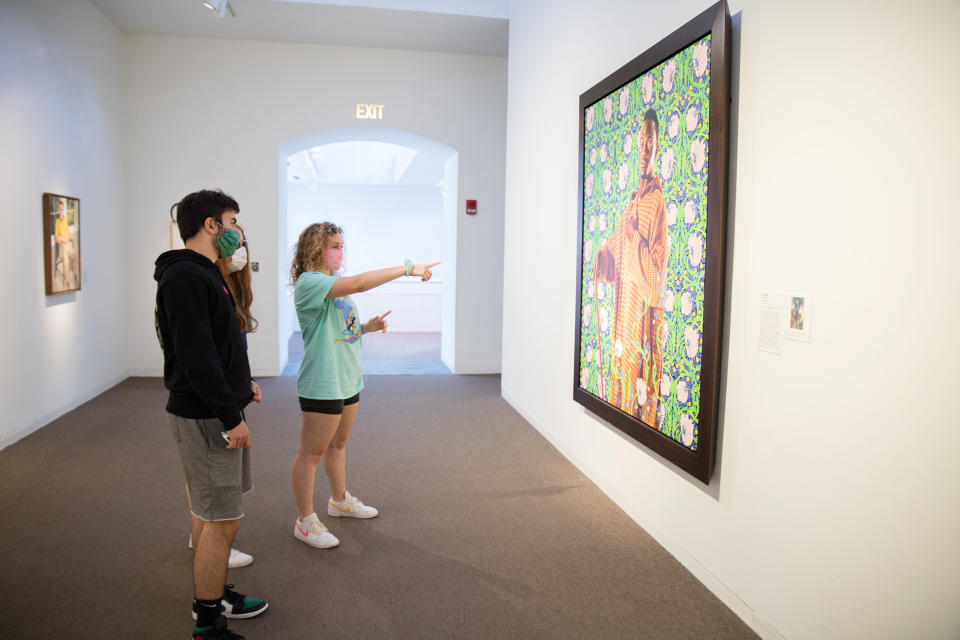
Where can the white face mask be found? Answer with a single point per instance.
(238, 260)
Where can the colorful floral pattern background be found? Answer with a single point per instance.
(678, 90)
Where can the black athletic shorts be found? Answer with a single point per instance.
(331, 407)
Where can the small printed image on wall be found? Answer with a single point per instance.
(61, 225)
(796, 313)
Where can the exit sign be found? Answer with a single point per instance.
(369, 112)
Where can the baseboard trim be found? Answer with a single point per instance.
(146, 373)
(49, 417)
(716, 586)
(158, 373)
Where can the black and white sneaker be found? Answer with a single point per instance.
(218, 631)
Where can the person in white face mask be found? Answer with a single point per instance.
(236, 272)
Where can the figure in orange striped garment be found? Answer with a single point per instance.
(634, 260)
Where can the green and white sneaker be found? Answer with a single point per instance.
(351, 507)
(237, 605)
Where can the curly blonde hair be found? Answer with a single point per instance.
(310, 247)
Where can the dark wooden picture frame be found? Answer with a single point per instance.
(693, 449)
(61, 244)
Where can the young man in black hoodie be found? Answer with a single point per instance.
(206, 370)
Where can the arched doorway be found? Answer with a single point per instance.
(395, 194)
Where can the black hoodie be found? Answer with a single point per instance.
(205, 365)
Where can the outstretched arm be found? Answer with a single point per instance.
(372, 279)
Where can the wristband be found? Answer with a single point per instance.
(409, 267)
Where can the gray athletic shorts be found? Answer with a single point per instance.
(217, 477)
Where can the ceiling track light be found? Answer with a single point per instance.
(220, 7)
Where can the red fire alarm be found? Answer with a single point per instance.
(471, 207)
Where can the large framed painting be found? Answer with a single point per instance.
(652, 229)
(61, 243)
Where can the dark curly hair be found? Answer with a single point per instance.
(191, 212)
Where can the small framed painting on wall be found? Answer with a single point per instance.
(61, 243)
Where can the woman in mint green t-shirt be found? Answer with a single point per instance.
(329, 381)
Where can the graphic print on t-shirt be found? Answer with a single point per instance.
(352, 331)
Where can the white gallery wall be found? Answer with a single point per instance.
(383, 225)
(61, 105)
(214, 113)
(379, 222)
(832, 513)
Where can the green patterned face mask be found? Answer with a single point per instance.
(228, 242)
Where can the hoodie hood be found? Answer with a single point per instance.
(169, 258)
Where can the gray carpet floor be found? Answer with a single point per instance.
(485, 530)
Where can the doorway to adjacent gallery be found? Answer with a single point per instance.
(394, 193)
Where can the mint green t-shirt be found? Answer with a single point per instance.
(331, 337)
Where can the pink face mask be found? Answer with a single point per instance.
(333, 258)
